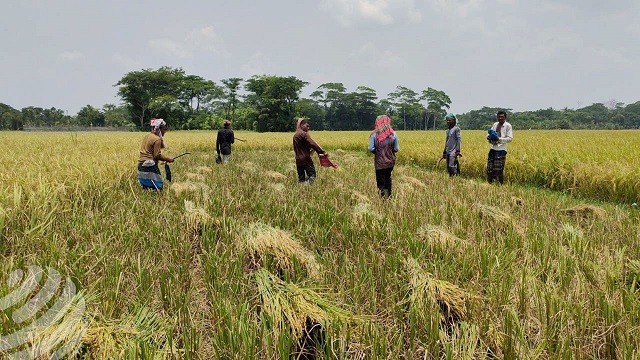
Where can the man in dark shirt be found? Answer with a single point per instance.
(224, 140)
(302, 146)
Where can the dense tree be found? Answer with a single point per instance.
(230, 91)
(166, 93)
(272, 103)
(10, 118)
(437, 105)
(90, 116)
(274, 98)
(407, 107)
(116, 116)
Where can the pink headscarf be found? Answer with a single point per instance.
(383, 128)
(156, 124)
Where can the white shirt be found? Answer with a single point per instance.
(506, 135)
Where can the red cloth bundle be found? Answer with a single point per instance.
(325, 162)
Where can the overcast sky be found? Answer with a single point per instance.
(524, 55)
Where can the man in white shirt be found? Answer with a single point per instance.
(498, 153)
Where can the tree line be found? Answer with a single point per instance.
(270, 103)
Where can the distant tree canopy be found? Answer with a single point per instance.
(271, 103)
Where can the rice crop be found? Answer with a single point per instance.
(242, 262)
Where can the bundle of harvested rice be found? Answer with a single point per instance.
(112, 339)
(189, 186)
(413, 182)
(290, 307)
(425, 289)
(585, 211)
(437, 235)
(492, 213)
(275, 175)
(260, 241)
(363, 211)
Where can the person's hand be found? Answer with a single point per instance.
(170, 160)
(458, 154)
(444, 156)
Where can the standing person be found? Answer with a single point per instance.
(224, 140)
(383, 142)
(498, 153)
(302, 147)
(150, 153)
(452, 145)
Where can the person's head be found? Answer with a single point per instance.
(451, 119)
(501, 116)
(303, 124)
(159, 126)
(226, 123)
(383, 122)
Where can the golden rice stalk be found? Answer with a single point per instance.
(195, 216)
(425, 289)
(278, 187)
(585, 211)
(434, 234)
(492, 213)
(194, 176)
(275, 175)
(248, 165)
(412, 181)
(359, 197)
(465, 342)
(110, 340)
(189, 186)
(260, 241)
(632, 274)
(363, 211)
(574, 233)
(203, 169)
(289, 306)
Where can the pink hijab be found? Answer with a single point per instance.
(383, 128)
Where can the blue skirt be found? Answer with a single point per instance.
(150, 177)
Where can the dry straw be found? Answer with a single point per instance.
(292, 308)
(585, 211)
(492, 213)
(195, 217)
(110, 340)
(261, 241)
(411, 181)
(425, 289)
(437, 235)
(189, 186)
(363, 211)
(275, 175)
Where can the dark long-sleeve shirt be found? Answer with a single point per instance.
(224, 140)
(302, 145)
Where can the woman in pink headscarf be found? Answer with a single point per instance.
(383, 142)
(150, 153)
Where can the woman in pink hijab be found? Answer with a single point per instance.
(383, 142)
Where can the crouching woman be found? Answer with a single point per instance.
(150, 153)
